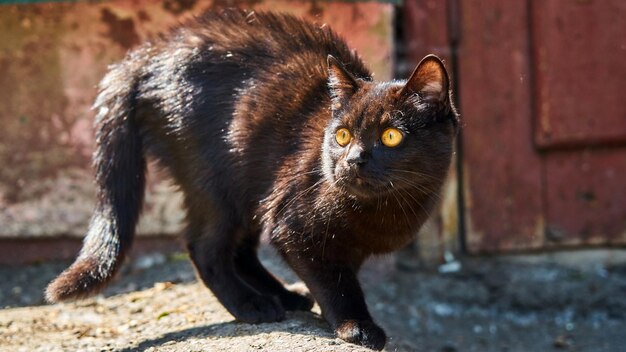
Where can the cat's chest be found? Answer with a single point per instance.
(378, 228)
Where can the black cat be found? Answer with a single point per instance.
(269, 124)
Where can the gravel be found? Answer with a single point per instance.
(492, 304)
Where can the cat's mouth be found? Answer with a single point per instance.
(361, 187)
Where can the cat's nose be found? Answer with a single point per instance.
(357, 157)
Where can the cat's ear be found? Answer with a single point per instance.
(341, 83)
(430, 81)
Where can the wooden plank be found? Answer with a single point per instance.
(579, 56)
(502, 172)
(586, 197)
(426, 30)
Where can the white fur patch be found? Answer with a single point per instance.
(432, 87)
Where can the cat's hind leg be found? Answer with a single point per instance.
(211, 247)
(252, 271)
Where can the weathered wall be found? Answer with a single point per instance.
(52, 56)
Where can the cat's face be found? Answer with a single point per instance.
(389, 137)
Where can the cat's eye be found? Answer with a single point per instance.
(343, 137)
(391, 137)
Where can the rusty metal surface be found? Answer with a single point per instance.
(52, 55)
(579, 64)
(504, 209)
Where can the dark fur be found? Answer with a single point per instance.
(242, 108)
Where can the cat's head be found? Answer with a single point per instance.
(386, 136)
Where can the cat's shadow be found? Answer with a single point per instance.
(300, 323)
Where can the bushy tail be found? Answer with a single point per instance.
(120, 178)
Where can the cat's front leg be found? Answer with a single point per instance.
(335, 287)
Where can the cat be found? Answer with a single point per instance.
(270, 125)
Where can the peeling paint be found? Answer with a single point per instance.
(120, 30)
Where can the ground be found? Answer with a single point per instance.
(490, 304)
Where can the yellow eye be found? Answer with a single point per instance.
(391, 137)
(343, 137)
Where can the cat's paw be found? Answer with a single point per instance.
(260, 309)
(362, 332)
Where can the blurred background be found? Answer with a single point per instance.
(525, 253)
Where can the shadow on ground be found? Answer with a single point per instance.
(489, 305)
(300, 324)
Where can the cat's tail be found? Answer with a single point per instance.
(120, 178)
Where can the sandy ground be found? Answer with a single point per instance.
(489, 305)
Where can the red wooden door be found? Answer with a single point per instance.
(542, 87)
(579, 61)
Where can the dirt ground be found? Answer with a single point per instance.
(490, 304)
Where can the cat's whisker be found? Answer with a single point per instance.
(426, 211)
(299, 175)
(330, 214)
(417, 173)
(431, 196)
(404, 202)
(424, 187)
(408, 204)
(393, 193)
(428, 191)
(405, 174)
(400, 190)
